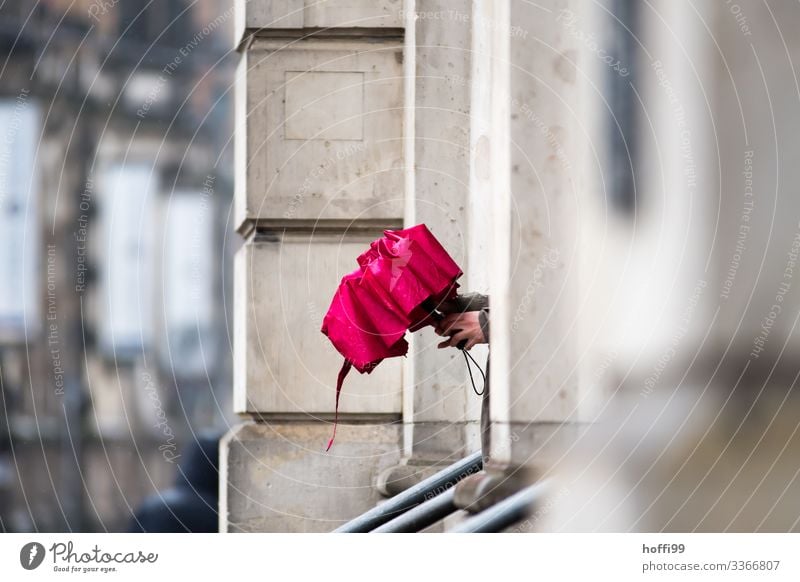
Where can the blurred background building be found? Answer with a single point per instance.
(115, 191)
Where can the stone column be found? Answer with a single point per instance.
(528, 142)
(319, 173)
(535, 338)
(440, 410)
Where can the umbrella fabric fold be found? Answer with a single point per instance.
(401, 278)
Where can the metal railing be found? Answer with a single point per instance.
(429, 490)
(505, 513)
(433, 499)
(422, 516)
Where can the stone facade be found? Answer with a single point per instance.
(391, 114)
(582, 202)
(320, 173)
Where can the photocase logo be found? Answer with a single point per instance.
(31, 555)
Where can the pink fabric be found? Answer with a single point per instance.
(375, 304)
(339, 381)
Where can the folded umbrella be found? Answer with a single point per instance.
(401, 279)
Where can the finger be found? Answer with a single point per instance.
(447, 320)
(441, 326)
(452, 326)
(454, 332)
(470, 344)
(458, 337)
(453, 340)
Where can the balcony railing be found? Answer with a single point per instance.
(416, 496)
(433, 499)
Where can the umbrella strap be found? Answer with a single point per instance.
(467, 358)
(342, 373)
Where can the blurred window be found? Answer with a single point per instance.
(19, 220)
(188, 270)
(159, 16)
(128, 253)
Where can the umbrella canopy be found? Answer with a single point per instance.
(401, 279)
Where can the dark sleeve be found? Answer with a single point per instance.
(483, 319)
(467, 302)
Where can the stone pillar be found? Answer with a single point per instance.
(526, 131)
(319, 162)
(440, 411)
(535, 337)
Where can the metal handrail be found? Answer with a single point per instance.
(422, 516)
(505, 513)
(412, 497)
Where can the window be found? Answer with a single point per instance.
(129, 238)
(19, 221)
(188, 270)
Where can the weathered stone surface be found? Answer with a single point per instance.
(319, 130)
(324, 105)
(445, 411)
(545, 166)
(283, 363)
(279, 478)
(282, 14)
(537, 182)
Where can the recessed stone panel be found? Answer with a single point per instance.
(283, 363)
(324, 105)
(319, 131)
(280, 479)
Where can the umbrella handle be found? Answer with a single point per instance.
(428, 306)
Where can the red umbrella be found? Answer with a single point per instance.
(401, 279)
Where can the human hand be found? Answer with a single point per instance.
(461, 327)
